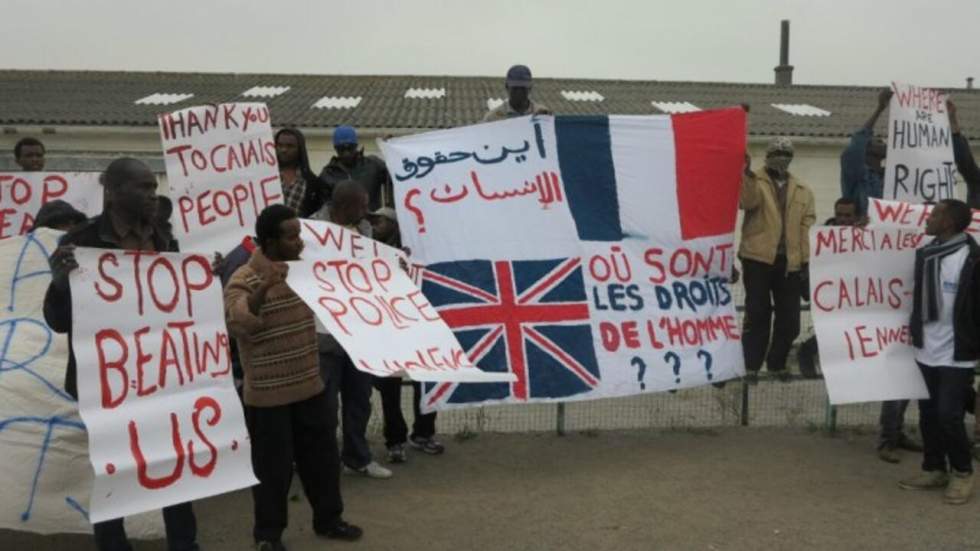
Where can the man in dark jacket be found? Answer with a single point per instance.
(129, 222)
(302, 190)
(945, 329)
(350, 163)
(862, 167)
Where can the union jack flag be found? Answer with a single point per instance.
(528, 317)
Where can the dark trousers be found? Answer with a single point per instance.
(178, 521)
(941, 418)
(354, 388)
(892, 421)
(395, 428)
(772, 308)
(305, 433)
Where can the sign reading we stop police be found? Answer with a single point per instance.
(222, 170)
(154, 381)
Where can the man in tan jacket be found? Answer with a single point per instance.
(775, 252)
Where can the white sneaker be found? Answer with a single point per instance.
(371, 470)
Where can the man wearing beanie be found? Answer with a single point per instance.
(774, 252)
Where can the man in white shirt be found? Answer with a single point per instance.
(945, 329)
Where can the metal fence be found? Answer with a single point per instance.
(799, 402)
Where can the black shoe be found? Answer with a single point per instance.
(906, 443)
(269, 546)
(782, 375)
(343, 531)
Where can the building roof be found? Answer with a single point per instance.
(99, 98)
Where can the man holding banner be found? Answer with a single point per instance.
(289, 414)
(945, 328)
(126, 224)
(966, 165)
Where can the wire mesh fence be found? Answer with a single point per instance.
(800, 402)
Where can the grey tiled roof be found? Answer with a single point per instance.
(95, 98)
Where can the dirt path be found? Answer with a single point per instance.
(733, 489)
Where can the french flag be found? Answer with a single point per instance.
(674, 177)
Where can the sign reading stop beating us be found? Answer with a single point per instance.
(154, 379)
(222, 170)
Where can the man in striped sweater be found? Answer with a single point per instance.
(288, 413)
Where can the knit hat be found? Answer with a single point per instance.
(780, 144)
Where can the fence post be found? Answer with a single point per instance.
(830, 421)
(745, 404)
(560, 419)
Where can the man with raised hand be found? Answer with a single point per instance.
(862, 169)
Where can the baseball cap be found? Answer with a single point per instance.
(519, 75)
(344, 135)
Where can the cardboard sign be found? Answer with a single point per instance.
(591, 256)
(861, 282)
(382, 320)
(155, 387)
(46, 474)
(222, 170)
(22, 194)
(919, 166)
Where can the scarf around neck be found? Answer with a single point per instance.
(929, 260)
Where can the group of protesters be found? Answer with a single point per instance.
(945, 321)
(298, 385)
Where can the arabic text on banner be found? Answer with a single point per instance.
(588, 256)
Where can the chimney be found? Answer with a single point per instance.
(969, 83)
(784, 71)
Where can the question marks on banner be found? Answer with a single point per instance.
(673, 358)
(641, 367)
(706, 356)
(409, 197)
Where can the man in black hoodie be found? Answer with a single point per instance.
(350, 163)
(945, 328)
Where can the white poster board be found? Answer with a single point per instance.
(155, 387)
(222, 171)
(861, 283)
(919, 166)
(22, 194)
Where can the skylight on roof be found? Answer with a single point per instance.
(493, 103)
(582, 95)
(802, 109)
(425, 93)
(265, 91)
(674, 107)
(337, 102)
(163, 99)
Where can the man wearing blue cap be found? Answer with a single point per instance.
(518, 104)
(350, 163)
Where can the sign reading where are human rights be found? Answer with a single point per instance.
(589, 256)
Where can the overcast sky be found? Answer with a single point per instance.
(931, 42)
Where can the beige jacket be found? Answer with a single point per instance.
(762, 226)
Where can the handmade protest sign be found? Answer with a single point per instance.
(589, 256)
(861, 282)
(155, 391)
(326, 240)
(46, 475)
(22, 194)
(362, 298)
(222, 171)
(907, 215)
(919, 166)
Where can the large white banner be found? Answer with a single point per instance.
(46, 476)
(155, 389)
(22, 194)
(861, 282)
(919, 166)
(588, 256)
(222, 171)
